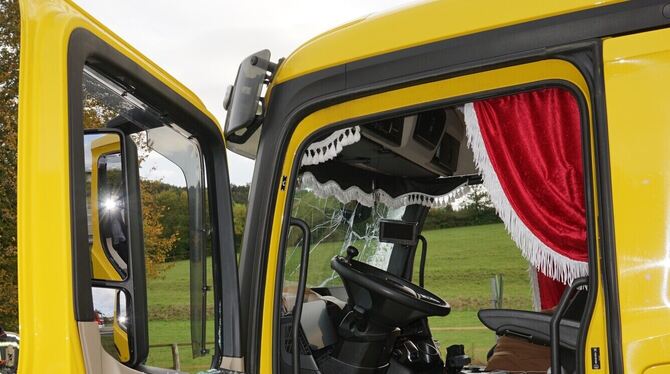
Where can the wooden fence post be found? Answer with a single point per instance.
(175, 357)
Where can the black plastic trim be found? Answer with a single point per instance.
(300, 295)
(555, 322)
(606, 220)
(85, 48)
(587, 62)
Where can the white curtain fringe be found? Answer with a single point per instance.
(328, 148)
(355, 193)
(535, 288)
(543, 258)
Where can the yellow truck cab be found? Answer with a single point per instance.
(558, 109)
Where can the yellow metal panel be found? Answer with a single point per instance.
(661, 369)
(637, 77)
(418, 24)
(394, 100)
(49, 335)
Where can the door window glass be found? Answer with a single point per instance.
(175, 229)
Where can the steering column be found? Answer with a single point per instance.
(379, 305)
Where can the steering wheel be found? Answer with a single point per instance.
(384, 295)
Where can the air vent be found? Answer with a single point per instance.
(390, 130)
(447, 153)
(429, 127)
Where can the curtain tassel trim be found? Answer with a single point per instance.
(540, 256)
(328, 148)
(355, 193)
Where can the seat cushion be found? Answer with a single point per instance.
(515, 354)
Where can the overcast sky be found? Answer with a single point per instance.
(201, 42)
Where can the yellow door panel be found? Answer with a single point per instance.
(637, 76)
(395, 100)
(661, 369)
(50, 341)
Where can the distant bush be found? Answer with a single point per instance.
(240, 194)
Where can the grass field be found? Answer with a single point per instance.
(460, 263)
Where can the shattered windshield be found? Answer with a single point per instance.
(334, 227)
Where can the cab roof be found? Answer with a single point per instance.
(417, 24)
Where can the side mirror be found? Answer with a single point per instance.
(243, 100)
(116, 243)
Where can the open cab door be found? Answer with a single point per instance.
(126, 247)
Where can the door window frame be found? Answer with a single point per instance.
(87, 49)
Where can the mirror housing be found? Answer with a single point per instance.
(243, 101)
(117, 236)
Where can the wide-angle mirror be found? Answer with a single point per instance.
(114, 321)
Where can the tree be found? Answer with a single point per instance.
(175, 220)
(476, 208)
(240, 194)
(9, 94)
(478, 203)
(239, 219)
(157, 244)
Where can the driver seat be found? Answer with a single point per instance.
(525, 337)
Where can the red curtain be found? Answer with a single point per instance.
(550, 291)
(533, 141)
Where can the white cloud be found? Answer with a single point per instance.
(202, 42)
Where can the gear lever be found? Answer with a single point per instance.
(351, 253)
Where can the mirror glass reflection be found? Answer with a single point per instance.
(112, 317)
(106, 206)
